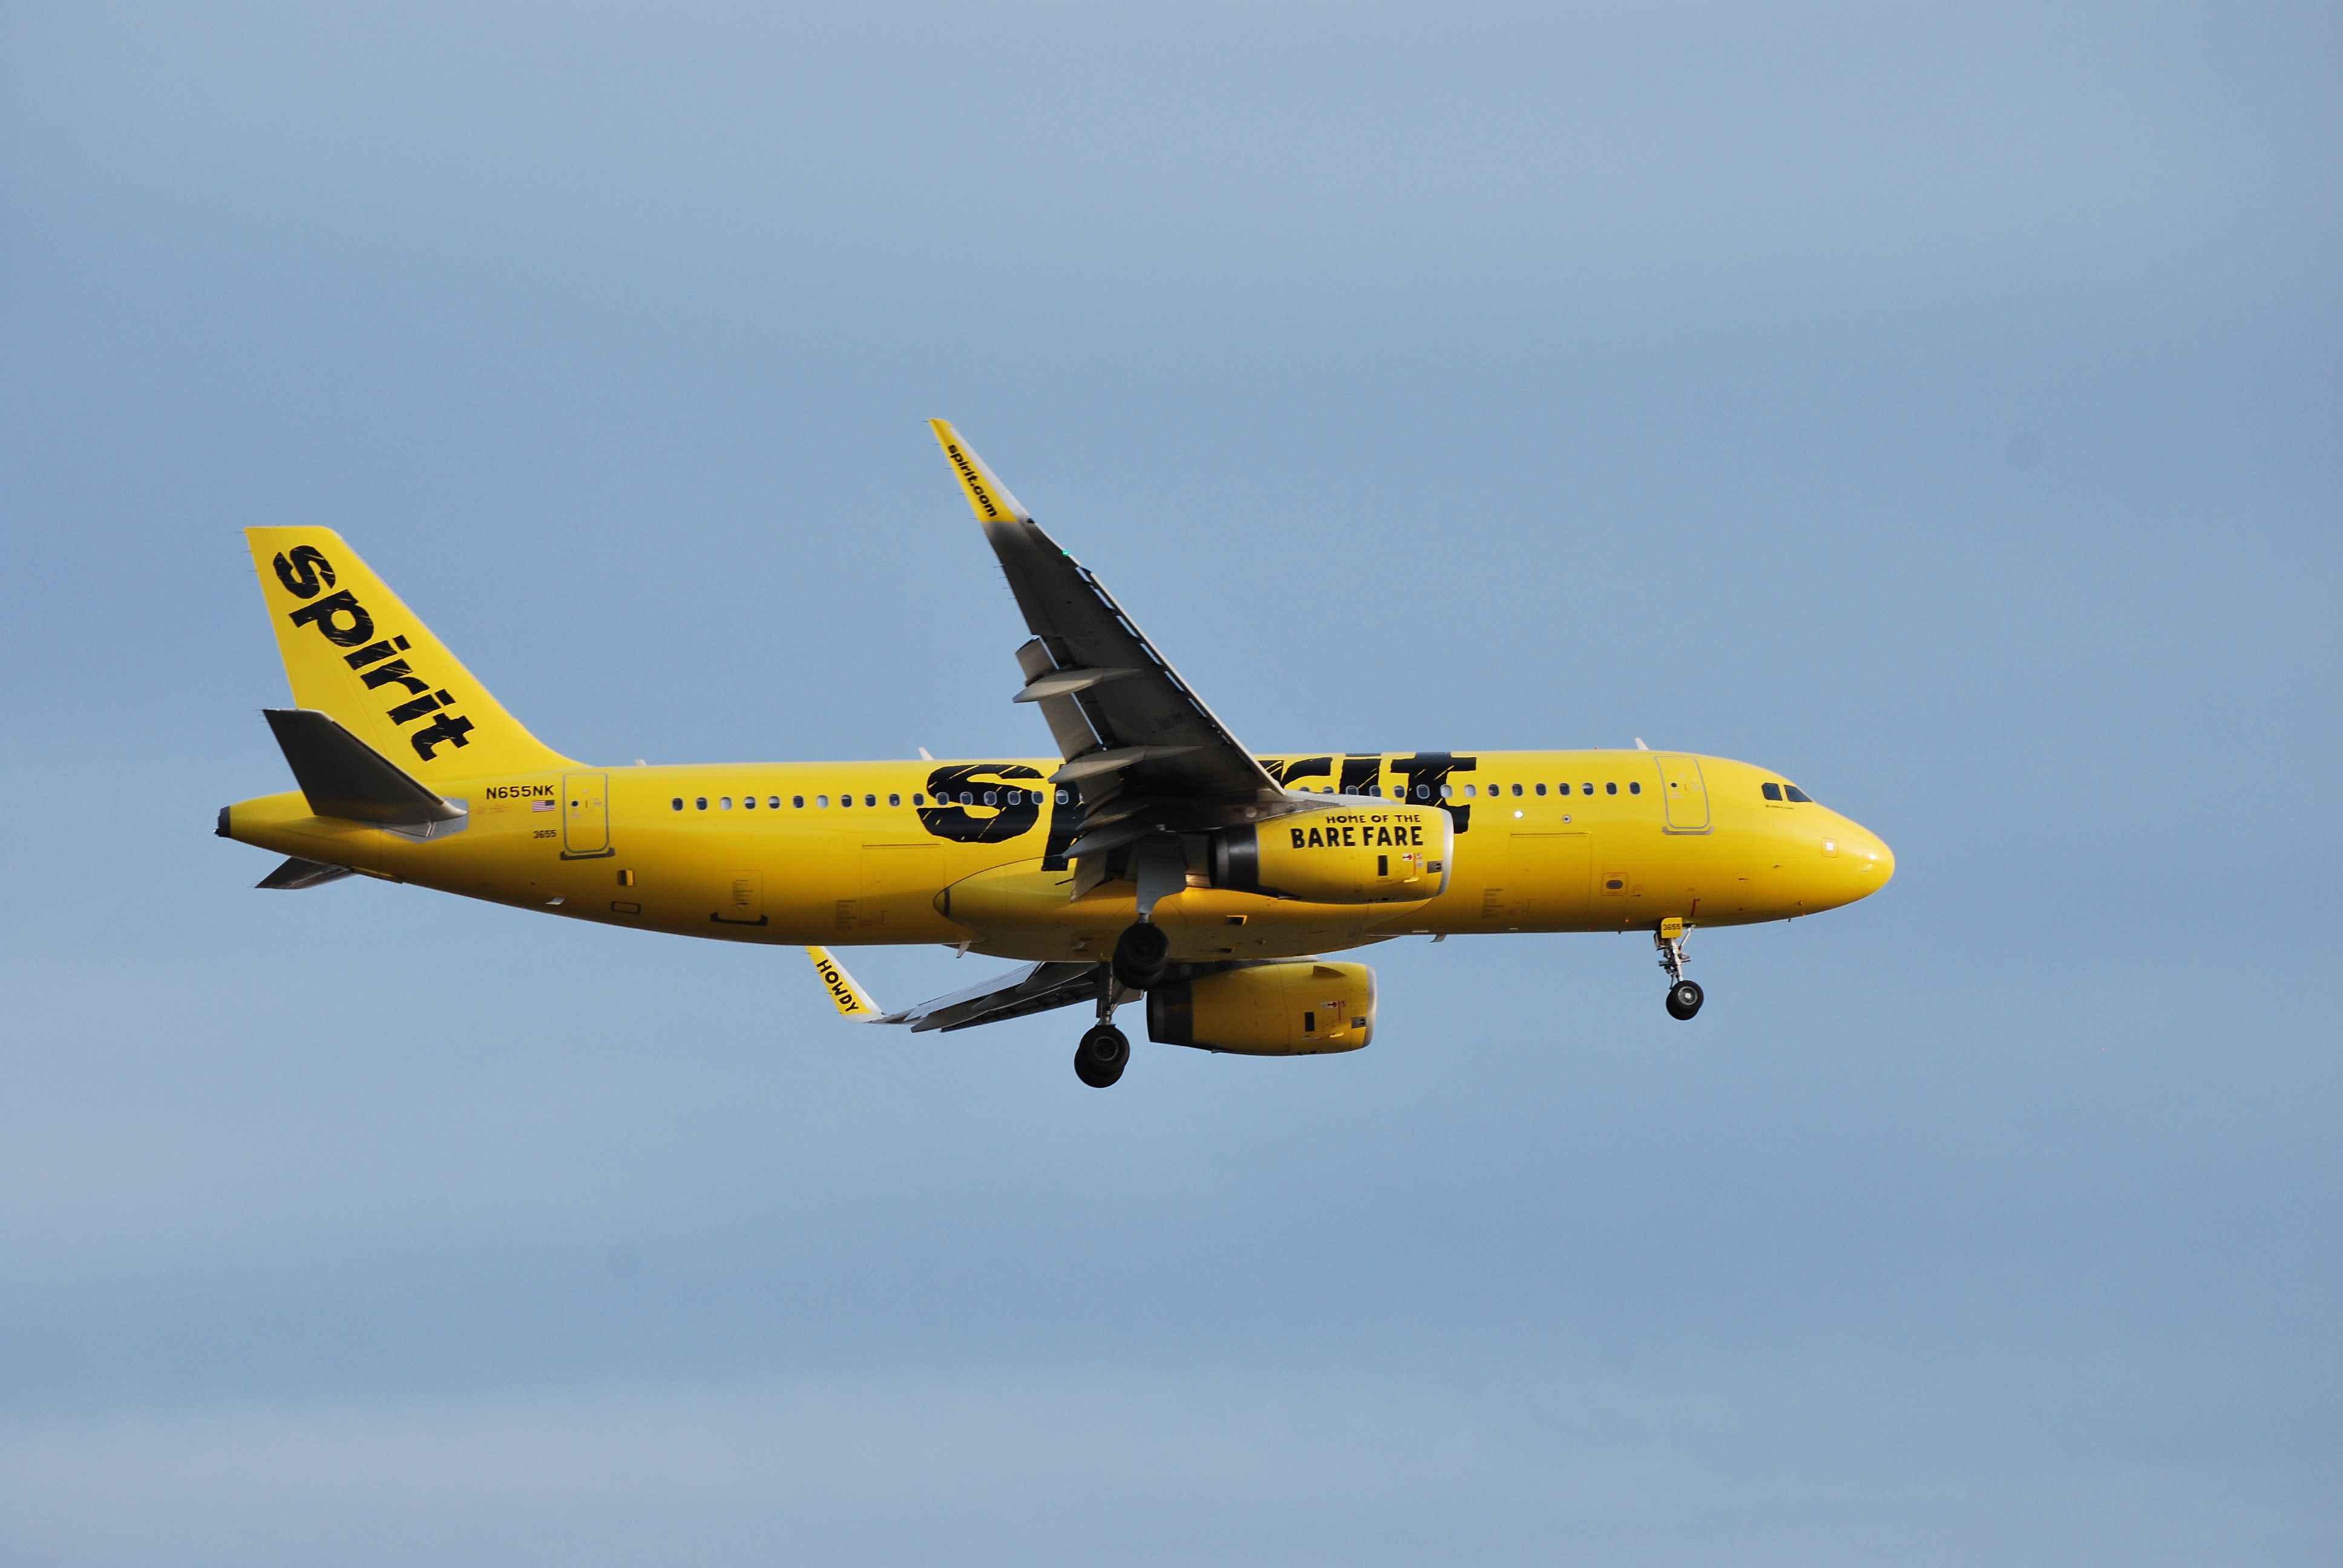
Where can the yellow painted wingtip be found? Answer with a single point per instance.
(850, 999)
(988, 497)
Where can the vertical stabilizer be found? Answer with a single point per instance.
(354, 652)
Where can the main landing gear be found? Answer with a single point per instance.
(1102, 1055)
(1105, 1050)
(1140, 955)
(1683, 996)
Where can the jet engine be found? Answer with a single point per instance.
(1387, 853)
(1303, 1009)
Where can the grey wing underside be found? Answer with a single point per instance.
(1030, 989)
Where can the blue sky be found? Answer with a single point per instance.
(1938, 406)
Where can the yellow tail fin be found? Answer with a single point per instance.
(354, 651)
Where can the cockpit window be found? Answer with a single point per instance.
(1773, 791)
(1797, 794)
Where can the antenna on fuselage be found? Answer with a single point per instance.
(1639, 744)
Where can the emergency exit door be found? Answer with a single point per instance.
(585, 815)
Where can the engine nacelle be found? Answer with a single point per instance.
(1303, 1008)
(1387, 853)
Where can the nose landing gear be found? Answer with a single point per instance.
(1683, 996)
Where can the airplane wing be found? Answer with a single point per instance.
(1028, 989)
(1147, 756)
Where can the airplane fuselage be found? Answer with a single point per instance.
(973, 853)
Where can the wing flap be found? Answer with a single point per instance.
(1065, 682)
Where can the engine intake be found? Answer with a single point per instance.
(1303, 1009)
(1379, 854)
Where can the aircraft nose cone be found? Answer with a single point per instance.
(1874, 860)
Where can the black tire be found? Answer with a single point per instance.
(1140, 955)
(1102, 1055)
(1684, 999)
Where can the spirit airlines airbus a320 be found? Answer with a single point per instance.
(1154, 856)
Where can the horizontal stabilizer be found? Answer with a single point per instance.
(344, 777)
(297, 873)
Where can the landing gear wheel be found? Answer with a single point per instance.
(1140, 954)
(1684, 999)
(1102, 1055)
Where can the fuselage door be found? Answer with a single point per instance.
(1687, 796)
(585, 815)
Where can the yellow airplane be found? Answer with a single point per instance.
(1154, 856)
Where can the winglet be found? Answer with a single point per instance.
(988, 497)
(852, 1000)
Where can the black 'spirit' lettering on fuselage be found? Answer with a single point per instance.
(973, 822)
(1426, 771)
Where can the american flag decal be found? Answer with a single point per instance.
(541, 805)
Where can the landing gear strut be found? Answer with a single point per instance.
(1105, 1050)
(1683, 996)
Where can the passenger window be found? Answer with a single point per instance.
(1586, 789)
(1448, 791)
(918, 799)
(871, 799)
(773, 802)
(966, 799)
(798, 801)
(749, 803)
(1610, 787)
(1065, 797)
(1423, 792)
(1468, 791)
(992, 796)
(1773, 791)
(1633, 787)
(844, 801)
(822, 802)
(1017, 796)
(1541, 788)
(700, 801)
(1517, 789)
(894, 799)
(1794, 793)
(678, 802)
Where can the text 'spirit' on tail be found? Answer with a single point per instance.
(354, 651)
